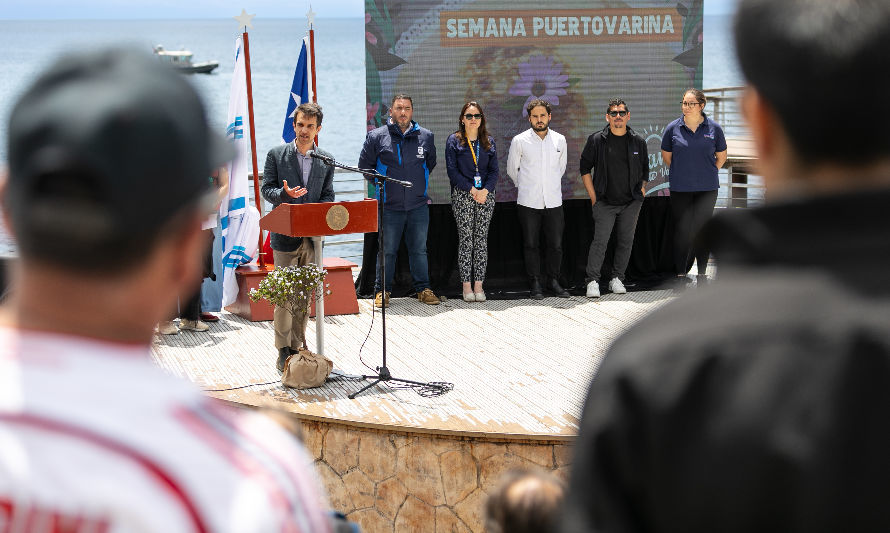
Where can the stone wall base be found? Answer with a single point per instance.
(388, 481)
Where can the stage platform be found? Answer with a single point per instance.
(393, 460)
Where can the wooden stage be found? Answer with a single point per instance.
(519, 367)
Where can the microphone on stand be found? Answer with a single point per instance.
(315, 155)
(331, 161)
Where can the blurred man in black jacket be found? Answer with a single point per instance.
(760, 404)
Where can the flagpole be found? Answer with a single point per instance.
(311, 16)
(256, 184)
(312, 55)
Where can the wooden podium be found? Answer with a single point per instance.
(319, 220)
(315, 221)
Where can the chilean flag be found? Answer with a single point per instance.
(300, 90)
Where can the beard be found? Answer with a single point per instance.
(540, 128)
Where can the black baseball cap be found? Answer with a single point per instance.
(106, 147)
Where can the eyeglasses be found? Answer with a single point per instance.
(471, 116)
(690, 104)
(617, 113)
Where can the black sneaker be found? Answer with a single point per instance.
(679, 283)
(536, 293)
(558, 290)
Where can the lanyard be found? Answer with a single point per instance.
(475, 162)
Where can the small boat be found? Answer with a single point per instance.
(182, 60)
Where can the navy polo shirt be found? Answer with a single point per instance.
(693, 163)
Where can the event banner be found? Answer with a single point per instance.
(576, 54)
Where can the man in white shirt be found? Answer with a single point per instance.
(536, 164)
(109, 153)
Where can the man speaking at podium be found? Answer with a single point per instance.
(292, 176)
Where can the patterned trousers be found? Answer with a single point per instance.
(472, 220)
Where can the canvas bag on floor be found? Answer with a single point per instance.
(304, 370)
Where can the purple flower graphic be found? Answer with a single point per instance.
(540, 78)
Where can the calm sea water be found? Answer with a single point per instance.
(340, 55)
(273, 49)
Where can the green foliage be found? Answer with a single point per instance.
(290, 288)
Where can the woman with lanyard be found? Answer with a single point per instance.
(694, 148)
(472, 162)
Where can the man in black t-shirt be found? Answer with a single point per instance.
(614, 168)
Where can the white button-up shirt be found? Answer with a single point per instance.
(536, 166)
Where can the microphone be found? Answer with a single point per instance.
(370, 175)
(315, 155)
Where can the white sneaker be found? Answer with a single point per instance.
(616, 286)
(168, 328)
(593, 289)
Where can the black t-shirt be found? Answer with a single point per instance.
(618, 185)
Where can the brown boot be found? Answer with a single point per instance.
(428, 297)
(379, 299)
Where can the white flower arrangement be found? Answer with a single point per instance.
(291, 288)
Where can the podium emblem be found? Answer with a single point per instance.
(337, 217)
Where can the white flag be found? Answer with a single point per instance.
(237, 248)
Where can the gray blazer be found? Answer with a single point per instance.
(282, 164)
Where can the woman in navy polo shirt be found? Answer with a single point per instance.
(472, 162)
(694, 147)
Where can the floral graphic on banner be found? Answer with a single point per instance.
(693, 36)
(373, 117)
(379, 42)
(540, 78)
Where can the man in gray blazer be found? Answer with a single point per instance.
(292, 176)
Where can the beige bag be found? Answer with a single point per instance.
(304, 370)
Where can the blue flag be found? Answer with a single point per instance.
(300, 90)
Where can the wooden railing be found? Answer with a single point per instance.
(724, 106)
(744, 188)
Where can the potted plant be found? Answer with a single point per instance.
(292, 288)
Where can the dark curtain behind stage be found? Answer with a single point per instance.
(650, 262)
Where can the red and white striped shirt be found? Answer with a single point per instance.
(95, 437)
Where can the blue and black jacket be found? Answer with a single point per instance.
(409, 156)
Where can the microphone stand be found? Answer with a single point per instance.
(383, 373)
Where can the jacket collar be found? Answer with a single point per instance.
(293, 144)
(704, 123)
(396, 130)
(605, 132)
(846, 235)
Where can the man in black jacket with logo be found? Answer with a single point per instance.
(614, 168)
(405, 151)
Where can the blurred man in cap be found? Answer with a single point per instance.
(109, 158)
(760, 404)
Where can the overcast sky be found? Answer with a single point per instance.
(177, 9)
